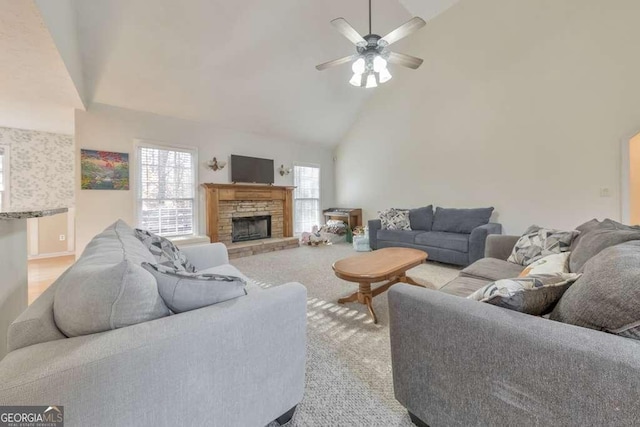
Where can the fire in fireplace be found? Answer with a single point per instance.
(251, 228)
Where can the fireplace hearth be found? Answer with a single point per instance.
(251, 228)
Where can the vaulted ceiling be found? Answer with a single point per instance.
(247, 65)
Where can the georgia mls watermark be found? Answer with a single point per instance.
(31, 416)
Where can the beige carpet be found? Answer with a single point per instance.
(349, 378)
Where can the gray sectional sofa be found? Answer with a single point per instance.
(452, 236)
(460, 362)
(220, 365)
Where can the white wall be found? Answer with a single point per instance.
(114, 129)
(518, 105)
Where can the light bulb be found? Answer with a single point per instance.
(384, 75)
(358, 66)
(356, 80)
(371, 81)
(379, 64)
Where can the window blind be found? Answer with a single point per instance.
(306, 198)
(166, 191)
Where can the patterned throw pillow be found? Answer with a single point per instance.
(395, 219)
(183, 291)
(165, 252)
(537, 243)
(551, 264)
(532, 294)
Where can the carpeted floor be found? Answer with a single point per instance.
(349, 380)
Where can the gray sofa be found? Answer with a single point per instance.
(237, 363)
(452, 236)
(459, 362)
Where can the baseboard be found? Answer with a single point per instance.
(51, 255)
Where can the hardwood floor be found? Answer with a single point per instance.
(43, 272)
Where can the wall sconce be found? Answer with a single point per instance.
(284, 171)
(215, 165)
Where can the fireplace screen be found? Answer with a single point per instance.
(251, 228)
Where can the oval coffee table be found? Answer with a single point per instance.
(384, 264)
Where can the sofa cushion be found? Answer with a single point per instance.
(107, 288)
(421, 218)
(164, 251)
(183, 291)
(534, 294)
(395, 219)
(607, 296)
(463, 286)
(439, 239)
(538, 242)
(598, 237)
(405, 236)
(492, 269)
(460, 220)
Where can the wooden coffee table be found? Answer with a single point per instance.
(389, 264)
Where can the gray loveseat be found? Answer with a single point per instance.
(459, 362)
(237, 363)
(452, 236)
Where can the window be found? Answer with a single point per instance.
(306, 197)
(166, 190)
(4, 178)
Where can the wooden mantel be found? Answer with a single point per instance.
(216, 193)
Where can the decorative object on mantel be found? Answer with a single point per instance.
(284, 171)
(32, 214)
(104, 170)
(216, 165)
(370, 62)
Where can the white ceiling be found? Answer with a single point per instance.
(247, 65)
(36, 91)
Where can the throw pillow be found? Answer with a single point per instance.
(607, 296)
(539, 242)
(460, 220)
(395, 219)
(421, 218)
(182, 291)
(551, 264)
(597, 238)
(164, 251)
(532, 294)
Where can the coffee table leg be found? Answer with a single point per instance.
(368, 300)
(409, 281)
(351, 298)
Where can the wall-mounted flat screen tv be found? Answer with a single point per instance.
(251, 170)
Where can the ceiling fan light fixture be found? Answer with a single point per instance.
(358, 66)
(371, 81)
(384, 75)
(356, 80)
(379, 64)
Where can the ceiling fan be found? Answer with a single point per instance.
(370, 62)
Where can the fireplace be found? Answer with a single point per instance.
(251, 228)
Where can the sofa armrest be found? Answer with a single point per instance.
(237, 363)
(206, 256)
(374, 226)
(478, 238)
(500, 246)
(462, 362)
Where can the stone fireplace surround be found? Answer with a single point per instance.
(227, 201)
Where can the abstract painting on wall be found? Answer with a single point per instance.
(104, 170)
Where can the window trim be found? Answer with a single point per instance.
(6, 171)
(312, 165)
(137, 183)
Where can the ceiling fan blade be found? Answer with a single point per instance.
(348, 31)
(336, 62)
(412, 25)
(405, 60)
